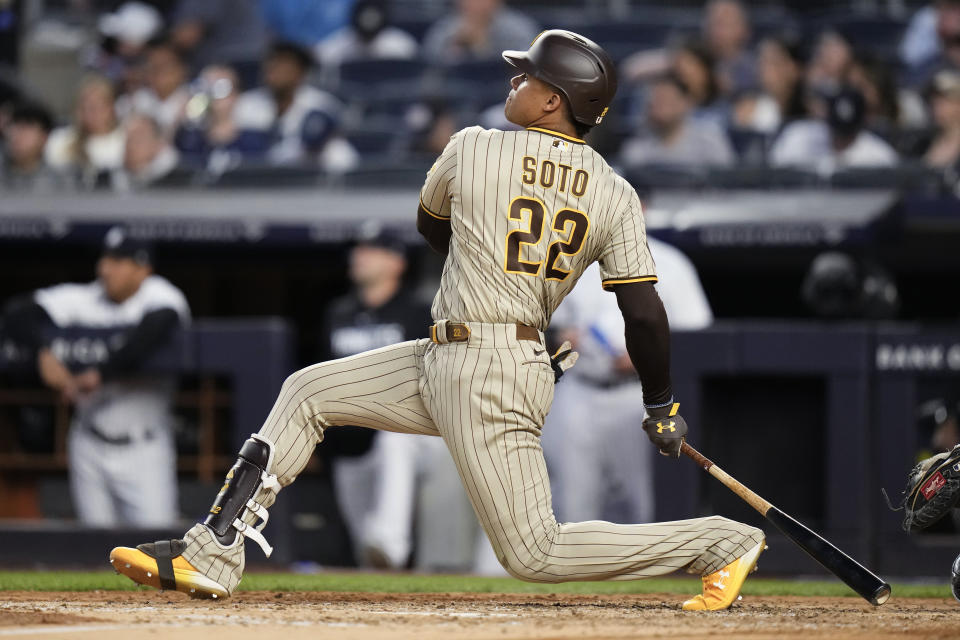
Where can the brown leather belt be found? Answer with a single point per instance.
(460, 332)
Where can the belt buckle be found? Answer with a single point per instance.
(458, 332)
(445, 332)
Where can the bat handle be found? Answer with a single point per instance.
(702, 461)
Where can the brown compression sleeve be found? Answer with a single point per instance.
(648, 339)
(435, 230)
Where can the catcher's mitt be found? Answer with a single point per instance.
(933, 488)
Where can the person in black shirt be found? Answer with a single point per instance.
(374, 472)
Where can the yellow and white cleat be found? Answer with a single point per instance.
(160, 565)
(722, 588)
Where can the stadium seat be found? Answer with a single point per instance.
(376, 142)
(256, 176)
(761, 177)
(652, 177)
(372, 78)
(751, 146)
(908, 177)
(480, 79)
(621, 39)
(408, 173)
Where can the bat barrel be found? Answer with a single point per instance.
(870, 586)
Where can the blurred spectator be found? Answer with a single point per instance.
(124, 34)
(306, 22)
(944, 96)
(210, 133)
(477, 30)
(430, 125)
(946, 430)
(672, 136)
(368, 36)
(300, 119)
(166, 92)
(837, 142)
(695, 66)
(781, 96)
(726, 32)
(148, 156)
(22, 165)
(889, 108)
(120, 448)
(830, 63)
(375, 489)
(919, 43)
(94, 143)
(229, 32)
(947, 37)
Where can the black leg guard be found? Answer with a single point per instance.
(244, 480)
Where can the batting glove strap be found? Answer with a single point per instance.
(665, 410)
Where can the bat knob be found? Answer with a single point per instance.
(881, 595)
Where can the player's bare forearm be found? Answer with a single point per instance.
(436, 231)
(648, 338)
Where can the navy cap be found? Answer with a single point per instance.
(846, 111)
(374, 234)
(118, 243)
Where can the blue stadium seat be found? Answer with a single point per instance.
(751, 146)
(366, 78)
(621, 39)
(377, 142)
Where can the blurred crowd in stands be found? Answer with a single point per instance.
(212, 85)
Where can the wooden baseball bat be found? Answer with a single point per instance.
(870, 586)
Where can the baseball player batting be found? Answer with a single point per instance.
(519, 215)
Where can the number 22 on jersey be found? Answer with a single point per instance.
(569, 226)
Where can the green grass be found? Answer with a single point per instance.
(386, 583)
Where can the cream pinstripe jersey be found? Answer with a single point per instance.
(530, 211)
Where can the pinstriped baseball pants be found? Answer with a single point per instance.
(487, 398)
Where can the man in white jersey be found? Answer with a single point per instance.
(606, 472)
(121, 453)
(520, 215)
